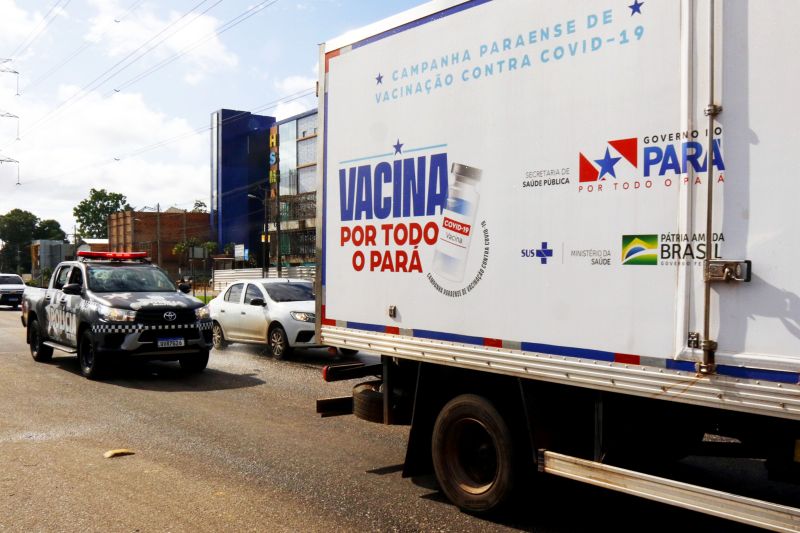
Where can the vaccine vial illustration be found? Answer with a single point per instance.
(458, 220)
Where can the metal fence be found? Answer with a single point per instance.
(223, 278)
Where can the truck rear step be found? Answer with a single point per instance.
(722, 504)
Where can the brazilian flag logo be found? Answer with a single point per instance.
(640, 249)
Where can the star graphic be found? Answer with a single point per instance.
(398, 148)
(636, 7)
(379, 78)
(607, 165)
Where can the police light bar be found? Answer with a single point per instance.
(112, 255)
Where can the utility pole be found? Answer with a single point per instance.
(264, 232)
(6, 114)
(9, 70)
(9, 160)
(278, 218)
(265, 237)
(158, 233)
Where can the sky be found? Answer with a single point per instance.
(103, 83)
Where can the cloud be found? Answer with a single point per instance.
(294, 84)
(289, 109)
(291, 85)
(17, 25)
(75, 151)
(193, 34)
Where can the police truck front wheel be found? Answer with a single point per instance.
(473, 454)
(39, 351)
(91, 361)
(195, 363)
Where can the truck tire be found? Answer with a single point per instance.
(368, 401)
(195, 364)
(218, 337)
(473, 454)
(39, 351)
(278, 343)
(90, 359)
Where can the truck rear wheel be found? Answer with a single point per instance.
(473, 455)
(368, 401)
(39, 351)
(90, 360)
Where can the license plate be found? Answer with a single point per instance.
(13, 299)
(171, 343)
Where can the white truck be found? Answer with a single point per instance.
(567, 229)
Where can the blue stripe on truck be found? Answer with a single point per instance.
(584, 353)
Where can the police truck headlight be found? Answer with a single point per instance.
(202, 313)
(303, 317)
(112, 314)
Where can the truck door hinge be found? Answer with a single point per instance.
(727, 270)
(712, 110)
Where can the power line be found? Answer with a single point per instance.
(86, 89)
(105, 162)
(254, 10)
(78, 51)
(31, 38)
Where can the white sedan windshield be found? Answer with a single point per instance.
(290, 292)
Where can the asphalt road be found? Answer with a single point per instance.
(238, 448)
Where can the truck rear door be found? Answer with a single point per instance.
(756, 325)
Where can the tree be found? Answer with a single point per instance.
(17, 229)
(200, 207)
(92, 213)
(49, 229)
(211, 247)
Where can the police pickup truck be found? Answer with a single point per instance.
(108, 305)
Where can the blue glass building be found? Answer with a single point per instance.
(239, 166)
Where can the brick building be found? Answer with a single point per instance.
(157, 233)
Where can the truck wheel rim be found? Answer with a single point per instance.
(472, 456)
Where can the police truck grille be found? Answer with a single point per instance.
(153, 316)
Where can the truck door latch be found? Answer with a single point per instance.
(727, 270)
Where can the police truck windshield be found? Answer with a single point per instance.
(128, 279)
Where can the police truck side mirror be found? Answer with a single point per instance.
(184, 288)
(73, 289)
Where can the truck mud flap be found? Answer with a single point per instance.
(327, 407)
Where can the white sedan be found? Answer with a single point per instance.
(278, 312)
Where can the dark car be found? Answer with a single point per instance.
(110, 305)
